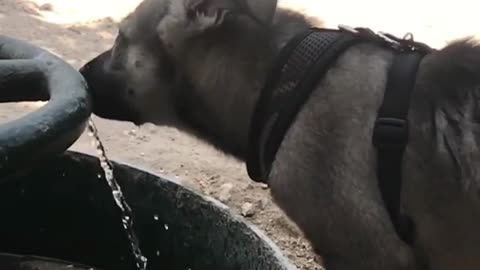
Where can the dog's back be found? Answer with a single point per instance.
(442, 173)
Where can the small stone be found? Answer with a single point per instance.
(263, 186)
(74, 30)
(46, 7)
(225, 192)
(132, 132)
(248, 210)
(143, 138)
(30, 8)
(248, 186)
(263, 203)
(214, 177)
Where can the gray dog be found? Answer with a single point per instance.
(199, 65)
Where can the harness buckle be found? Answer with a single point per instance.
(391, 133)
(347, 28)
(390, 39)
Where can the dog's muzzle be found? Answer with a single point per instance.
(108, 90)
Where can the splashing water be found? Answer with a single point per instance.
(127, 220)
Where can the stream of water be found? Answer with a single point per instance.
(127, 220)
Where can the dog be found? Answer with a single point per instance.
(200, 65)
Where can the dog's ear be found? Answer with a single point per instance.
(188, 18)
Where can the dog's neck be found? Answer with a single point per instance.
(226, 72)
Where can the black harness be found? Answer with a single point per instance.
(299, 67)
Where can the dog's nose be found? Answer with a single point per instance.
(83, 70)
(96, 63)
(95, 73)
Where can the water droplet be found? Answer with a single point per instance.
(155, 217)
(99, 176)
(166, 227)
(158, 253)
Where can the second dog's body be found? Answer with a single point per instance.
(200, 65)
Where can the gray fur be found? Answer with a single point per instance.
(201, 70)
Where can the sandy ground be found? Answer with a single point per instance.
(79, 30)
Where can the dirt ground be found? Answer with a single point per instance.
(79, 30)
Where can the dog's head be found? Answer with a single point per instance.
(137, 78)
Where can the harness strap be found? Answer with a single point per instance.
(300, 65)
(390, 135)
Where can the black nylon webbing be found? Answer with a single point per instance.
(299, 66)
(390, 135)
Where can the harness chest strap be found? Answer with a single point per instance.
(299, 66)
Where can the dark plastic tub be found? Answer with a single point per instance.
(62, 209)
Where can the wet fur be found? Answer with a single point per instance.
(324, 175)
